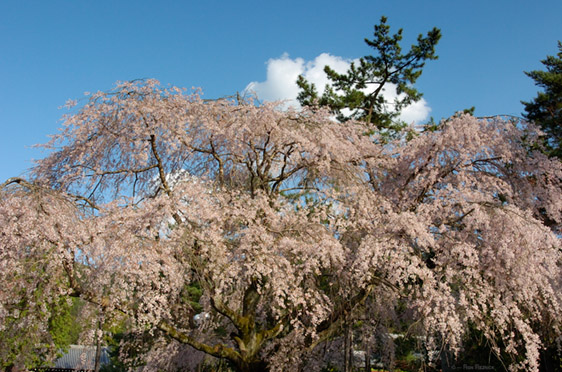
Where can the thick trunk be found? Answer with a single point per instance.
(256, 366)
(348, 349)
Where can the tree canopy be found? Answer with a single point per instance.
(288, 224)
(546, 108)
(359, 93)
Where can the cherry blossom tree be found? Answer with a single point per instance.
(289, 224)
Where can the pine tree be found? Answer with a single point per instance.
(360, 90)
(546, 108)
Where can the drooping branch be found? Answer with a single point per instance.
(34, 187)
(333, 323)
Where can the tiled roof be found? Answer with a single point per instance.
(81, 358)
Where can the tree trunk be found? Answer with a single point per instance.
(368, 354)
(98, 348)
(348, 349)
(260, 366)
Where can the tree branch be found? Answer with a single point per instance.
(219, 350)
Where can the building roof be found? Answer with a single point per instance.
(81, 358)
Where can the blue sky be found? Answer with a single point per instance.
(52, 51)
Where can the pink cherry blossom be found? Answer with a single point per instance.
(291, 224)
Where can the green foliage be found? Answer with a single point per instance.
(192, 294)
(546, 108)
(404, 353)
(34, 344)
(30, 349)
(18, 350)
(361, 89)
(64, 325)
(115, 364)
(112, 338)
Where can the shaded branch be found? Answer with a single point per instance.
(219, 350)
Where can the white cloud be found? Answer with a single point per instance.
(281, 82)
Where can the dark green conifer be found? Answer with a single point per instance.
(546, 108)
(360, 90)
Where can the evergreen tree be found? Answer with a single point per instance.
(546, 108)
(360, 90)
